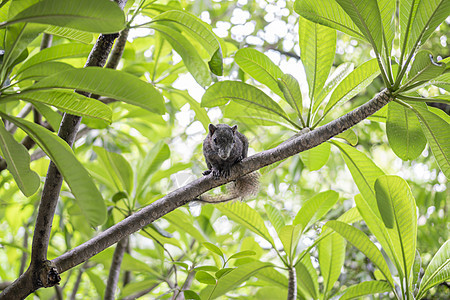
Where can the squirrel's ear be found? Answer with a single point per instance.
(211, 128)
(234, 128)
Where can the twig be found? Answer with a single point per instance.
(73, 296)
(22, 114)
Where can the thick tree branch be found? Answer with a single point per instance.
(117, 51)
(190, 191)
(292, 284)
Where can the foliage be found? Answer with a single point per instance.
(141, 133)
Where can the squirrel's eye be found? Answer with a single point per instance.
(215, 140)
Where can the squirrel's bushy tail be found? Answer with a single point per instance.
(242, 188)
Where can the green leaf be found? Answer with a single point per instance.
(350, 136)
(365, 288)
(328, 13)
(384, 202)
(289, 236)
(404, 132)
(315, 208)
(245, 215)
(190, 295)
(439, 112)
(355, 82)
(192, 25)
(361, 241)
(68, 101)
(52, 117)
(213, 248)
(98, 283)
(205, 278)
(151, 163)
(366, 15)
(437, 132)
(241, 254)
(291, 91)
(398, 211)
(118, 169)
(317, 157)
(331, 259)
(185, 223)
(260, 67)
(438, 270)
(407, 10)
(429, 14)
(307, 279)
(253, 116)
(317, 49)
(275, 217)
(233, 279)
(247, 95)
(363, 170)
(200, 112)
(442, 81)
(18, 162)
(207, 268)
(104, 82)
(223, 272)
(80, 182)
(38, 71)
(71, 34)
(271, 292)
(387, 12)
(16, 39)
(350, 216)
(216, 63)
(424, 68)
(333, 80)
(100, 16)
(191, 58)
(272, 276)
(375, 223)
(56, 52)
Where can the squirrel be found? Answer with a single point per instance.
(223, 147)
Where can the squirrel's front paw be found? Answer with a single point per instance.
(216, 173)
(225, 173)
(207, 172)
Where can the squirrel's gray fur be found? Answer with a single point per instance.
(223, 147)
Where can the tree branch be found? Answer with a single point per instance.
(190, 191)
(292, 284)
(117, 51)
(73, 296)
(114, 270)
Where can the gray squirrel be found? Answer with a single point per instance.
(223, 147)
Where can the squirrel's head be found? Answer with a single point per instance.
(222, 138)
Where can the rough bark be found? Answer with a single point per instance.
(292, 284)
